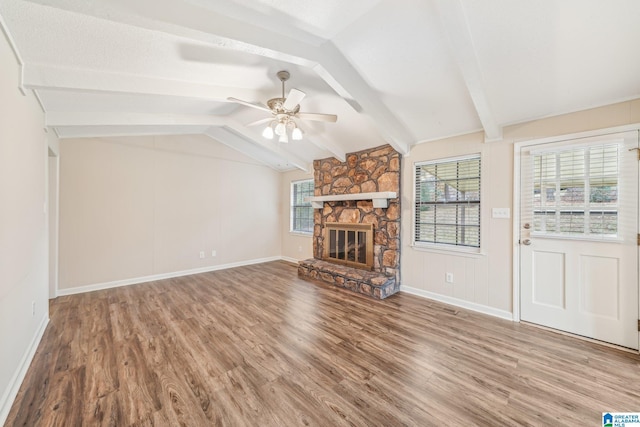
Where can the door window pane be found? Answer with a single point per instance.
(575, 191)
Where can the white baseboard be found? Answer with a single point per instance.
(458, 302)
(14, 385)
(289, 259)
(137, 280)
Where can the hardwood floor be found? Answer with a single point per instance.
(257, 346)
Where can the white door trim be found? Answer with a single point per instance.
(517, 151)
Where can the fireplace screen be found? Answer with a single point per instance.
(349, 244)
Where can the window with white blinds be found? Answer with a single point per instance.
(301, 211)
(447, 208)
(575, 191)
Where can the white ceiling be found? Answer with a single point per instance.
(394, 71)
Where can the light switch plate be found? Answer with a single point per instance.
(501, 213)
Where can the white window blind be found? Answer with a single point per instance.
(301, 211)
(447, 209)
(575, 191)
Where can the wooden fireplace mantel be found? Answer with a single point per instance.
(380, 198)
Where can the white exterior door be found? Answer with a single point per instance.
(578, 237)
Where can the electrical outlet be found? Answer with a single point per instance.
(214, 253)
(201, 254)
(299, 248)
(448, 278)
(33, 308)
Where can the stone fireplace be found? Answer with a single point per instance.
(351, 197)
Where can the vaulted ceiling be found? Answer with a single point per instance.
(394, 71)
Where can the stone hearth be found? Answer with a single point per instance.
(370, 283)
(373, 170)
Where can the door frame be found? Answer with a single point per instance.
(517, 151)
(52, 171)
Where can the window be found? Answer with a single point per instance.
(301, 211)
(575, 191)
(447, 209)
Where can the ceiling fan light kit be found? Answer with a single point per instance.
(281, 129)
(268, 132)
(284, 109)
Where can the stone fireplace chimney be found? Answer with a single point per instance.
(369, 171)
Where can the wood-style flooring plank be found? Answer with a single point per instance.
(257, 346)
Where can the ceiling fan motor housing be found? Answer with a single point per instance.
(277, 106)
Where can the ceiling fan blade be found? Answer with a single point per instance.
(318, 117)
(261, 121)
(294, 98)
(250, 104)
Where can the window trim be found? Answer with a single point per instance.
(446, 247)
(291, 206)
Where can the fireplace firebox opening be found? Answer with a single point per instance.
(349, 244)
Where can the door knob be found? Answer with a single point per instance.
(526, 226)
(526, 242)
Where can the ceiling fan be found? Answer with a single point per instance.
(283, 111)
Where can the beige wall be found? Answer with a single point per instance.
(23, 227)
(483, 278)
(134, 207)
(295, 246)
(486, 280)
